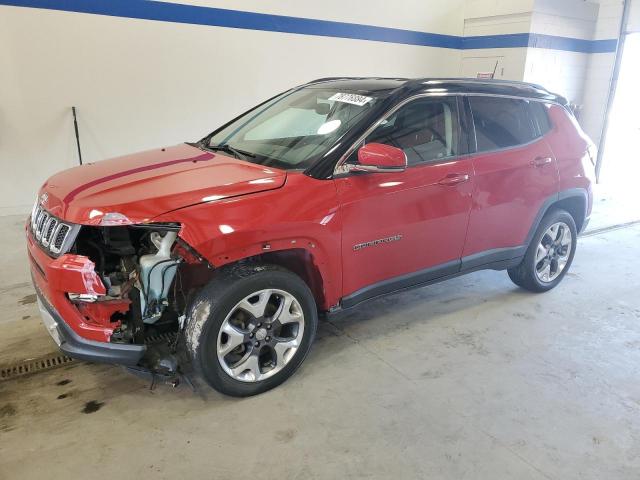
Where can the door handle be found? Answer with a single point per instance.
(454, 179)
(541, 161)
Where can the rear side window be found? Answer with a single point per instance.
(501, 122)
(540, 117)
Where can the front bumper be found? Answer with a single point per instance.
(75, 346)
(55, 278)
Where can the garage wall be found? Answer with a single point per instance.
(488, 18)
(144, 74)
(600, 69)
(634, 17)
(139, 84)
(583, 71)
(561, 71)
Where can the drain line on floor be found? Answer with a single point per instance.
(35, 365)
(56, 360)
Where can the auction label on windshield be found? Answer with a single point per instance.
(351, 98)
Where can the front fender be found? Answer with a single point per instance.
(302, 215)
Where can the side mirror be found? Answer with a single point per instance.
(377, 157)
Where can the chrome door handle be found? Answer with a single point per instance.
(454, 179)
(541, 161)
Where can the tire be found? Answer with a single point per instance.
(220, 318)
(531, 273)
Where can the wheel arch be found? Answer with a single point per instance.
(301, 262)
(575, 201)
(576, 205)
(315, 258)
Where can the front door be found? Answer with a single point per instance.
(406, 228)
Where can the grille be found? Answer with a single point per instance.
(49, 231)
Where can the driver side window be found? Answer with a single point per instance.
(425, 129)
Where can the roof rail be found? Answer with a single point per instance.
(514, 83)
(327, 79)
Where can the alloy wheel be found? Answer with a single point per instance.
(553, 252)
(260, 335)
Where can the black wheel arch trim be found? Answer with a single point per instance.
(552, 200)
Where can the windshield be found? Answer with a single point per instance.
(295, 129)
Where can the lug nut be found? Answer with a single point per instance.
(269, 327)
(251, 335)
(259, 325)
(268, 338)
(257, 344)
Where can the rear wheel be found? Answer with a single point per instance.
(549, 255)
(250, 328)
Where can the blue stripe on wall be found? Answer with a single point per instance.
(538, 40)
(511, 40)
(218, 17)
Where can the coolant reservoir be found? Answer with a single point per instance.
(156, 274)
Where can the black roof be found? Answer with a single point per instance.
(361, 84)
(457, 85)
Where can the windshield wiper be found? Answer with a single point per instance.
(223, 147)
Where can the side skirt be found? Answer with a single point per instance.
(496, 259)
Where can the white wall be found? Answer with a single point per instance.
(600, 69)
(584, 78)
(430, 16)
(495, 17)
(634, 17)
(560, 71)
(139, 84)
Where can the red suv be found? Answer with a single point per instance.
(219, 255)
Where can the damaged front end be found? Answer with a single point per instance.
(148, 273)
(125, 285)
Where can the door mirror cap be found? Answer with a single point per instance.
(380, 158)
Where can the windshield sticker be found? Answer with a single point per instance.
(351, 98)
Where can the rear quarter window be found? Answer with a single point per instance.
(501, 122)
(540, 117)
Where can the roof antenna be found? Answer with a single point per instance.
(75, 126)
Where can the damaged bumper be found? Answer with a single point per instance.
(75, 346)
(75, 332)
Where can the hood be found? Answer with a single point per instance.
(144, 185)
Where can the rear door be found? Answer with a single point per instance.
(407, 227)
(515, 173)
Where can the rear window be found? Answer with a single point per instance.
(501, 122)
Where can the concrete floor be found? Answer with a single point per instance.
(472, 378)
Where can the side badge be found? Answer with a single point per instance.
(380, 241)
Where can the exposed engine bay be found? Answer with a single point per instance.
(148, 273)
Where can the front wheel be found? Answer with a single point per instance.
(549, 254)
(250, 328)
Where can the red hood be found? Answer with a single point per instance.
(144, 185)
